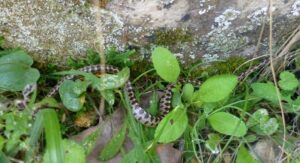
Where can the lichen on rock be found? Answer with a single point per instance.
(198, 29)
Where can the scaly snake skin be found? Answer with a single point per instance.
(138, 112)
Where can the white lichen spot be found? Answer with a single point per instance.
(210, 57)
(258, 16)
(223, 21)
(205, 8)
(296, 8)
(166, 2)
(192, 56)
(180, 56)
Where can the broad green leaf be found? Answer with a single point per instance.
(15, 71)
(15, 76)
(243, 156)
(114, 145)
(172, 126)
(227, 124)
(109, 81)
(54, 144)
(3, 158)
(266, 91)
(73, 153)
(187, 92)
(18, 57)
(261, 123)
(216, 88)
(212, 143)
(71, 94)
(165, 64)
(288, 81)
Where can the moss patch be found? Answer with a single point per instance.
(229, 66)
(169, 37)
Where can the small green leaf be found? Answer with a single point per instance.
(288, 81)
(54, 145)
(212, 143)
(71, 94)
(90, 140)
(216, 88)
(114, 145)
(172, 126)
(108, 96)
(137, 154)
(266, 91)
(73, 152)
(227, 124)
(261, 123)
(243, 156)
(187, 92)
(165, 64)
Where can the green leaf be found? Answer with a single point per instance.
(3, 158)
(73, 152)
(266, 91)
(288, 81)
(172, 126)
(109, 81)
(15, 71)
(243, 156)
(14, 77)
(137, 154)
(216, 88)
(187, 92)
(54, 145)
(165, 64)
(108, 96)
(114, 145)
(71, 94)
(89, 141)
(16, 57)
(212, 143)
(261, 123)
(227, 124)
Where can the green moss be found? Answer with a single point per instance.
(169, 37)
(230, 65)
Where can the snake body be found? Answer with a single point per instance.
(138, 112)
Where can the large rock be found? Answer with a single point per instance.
(52, 30)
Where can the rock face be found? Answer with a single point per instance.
(192, 29)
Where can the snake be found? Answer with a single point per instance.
(139, 113)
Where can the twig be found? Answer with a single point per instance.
(274, 76)
(100, 49)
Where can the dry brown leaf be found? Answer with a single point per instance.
(168, 154)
